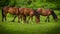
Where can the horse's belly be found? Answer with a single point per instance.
(45, 13)
(26, 14)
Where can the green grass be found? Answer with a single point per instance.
(43, 27)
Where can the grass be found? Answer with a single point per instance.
(43, 27)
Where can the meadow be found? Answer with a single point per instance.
(8, 27)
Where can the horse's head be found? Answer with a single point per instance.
(39, 10)
(37, 16)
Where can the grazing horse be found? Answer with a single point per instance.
(45, 12)
(11, 10)
(26, 12)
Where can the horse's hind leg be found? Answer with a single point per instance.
(32, 18)
(4, 16)
(47, 19)
(14, 19)
(28, 19)
(19, 18)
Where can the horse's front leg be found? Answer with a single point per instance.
(37, 19)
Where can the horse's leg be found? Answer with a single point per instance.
(28, 19)
(5, 18)
(32, 18)
(19, 18)
(2, 15)
(5, 14)
(48, 18)
(14, 19)
(24, 18)
(2, 18)
(37, 19)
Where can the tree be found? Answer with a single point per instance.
(4, 3)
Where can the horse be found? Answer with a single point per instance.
(45, 12)
(26, 12)
(10, 10)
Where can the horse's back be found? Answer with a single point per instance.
(26, 11)
(13, 10)
(29, 11)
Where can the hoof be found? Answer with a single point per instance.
(27, 22)
(48, 21)
(45, 21)
(18, 21)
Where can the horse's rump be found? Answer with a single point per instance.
(44, 11)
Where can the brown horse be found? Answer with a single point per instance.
(26, 12)
(11, 10)
(45, 12)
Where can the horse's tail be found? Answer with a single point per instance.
(2, 12)
(54, 15)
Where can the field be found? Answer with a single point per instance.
(43, 27)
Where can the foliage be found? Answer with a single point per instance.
(4, 3)
(54, 4)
